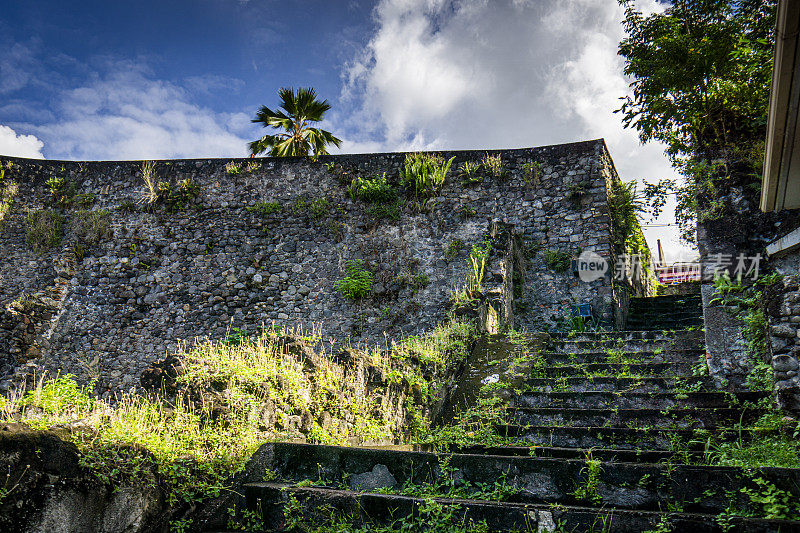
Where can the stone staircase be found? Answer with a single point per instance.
(660, 313)
(604, 432)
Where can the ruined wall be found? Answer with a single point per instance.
(158, 276)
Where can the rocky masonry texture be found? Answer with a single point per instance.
(162, 276)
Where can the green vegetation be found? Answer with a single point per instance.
(8, 190)
(469, 172)
(263, 209)
(453, 249)
(532, 173)
(747, 301)
(624, 203)
(91, 227)
(230, 398)
(357, 283)
(373, 190)
(383, 199)
(430, 515)
(495, 166)
(702, 73)
(232, 168)
(177, 197)
(300, 109)
(587, 491)
(424, 174)
(557, 260)
(44, 229)
(61, 191)
(478, 258)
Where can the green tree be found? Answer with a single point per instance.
(298, 138)
(701, 74)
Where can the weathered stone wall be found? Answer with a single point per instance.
(159, 277)
(783, 314)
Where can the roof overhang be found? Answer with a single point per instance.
(781, 181)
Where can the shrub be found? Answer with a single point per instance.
(375, 190)
(263, 209)
(233, 168)
(532, 172)
(424, 174)
(320, 207)
(44, 229)
(61, 190)
(557, 260)
(357, 283)
(91, 226)
(470, 171)
(494, 164)
(179, 197)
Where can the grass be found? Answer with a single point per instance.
(44, 230)
(251, 386)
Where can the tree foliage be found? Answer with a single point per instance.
(701, 74)
(299, 110)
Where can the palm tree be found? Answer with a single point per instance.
(299, 138)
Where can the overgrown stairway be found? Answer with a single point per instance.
(674, 312)
(600, 432)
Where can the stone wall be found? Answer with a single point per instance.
(108, 305)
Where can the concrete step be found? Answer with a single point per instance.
(625, 345)
(693, 418)
(630, 438)
(319, 506)
(614, 455)
(541, 480)
(633, 400)
(683, 368)
(596, 356)
(647, 384)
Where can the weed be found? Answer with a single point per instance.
(588, 489)
(469, 171)
(149, 194)
(91, 227)
(532, 173)
(478, 258)
(494, 164)
(233, 168)
(263, 209)
(557, 260)
(453, 249)
(44, 230)
(424, 174)
(319, 207)
(374, 190)
(357, 283)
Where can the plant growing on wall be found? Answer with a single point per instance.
(61, 190)
(532, 173)
(494, 164)
(478, 258)
(44, 229)
(300, 109)
(469, 171)
(557, 260)
(149, 193)
(424, 174)
(357, 283)
(375, 189)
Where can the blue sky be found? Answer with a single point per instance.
(182, 78)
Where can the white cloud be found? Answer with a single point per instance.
(19, 145)
(481, 73)
(124, 114)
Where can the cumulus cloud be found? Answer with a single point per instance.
(125, 114)
(19, 145)
(499, 73)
